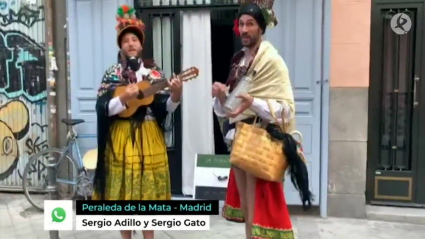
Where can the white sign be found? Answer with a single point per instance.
(165, 223)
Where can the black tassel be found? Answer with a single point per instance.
(297, 168)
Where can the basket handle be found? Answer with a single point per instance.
(296, 132)
(282, 125)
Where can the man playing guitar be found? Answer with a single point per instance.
(132, 155)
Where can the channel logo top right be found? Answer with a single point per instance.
(401, 23)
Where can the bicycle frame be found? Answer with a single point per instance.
(72, 137)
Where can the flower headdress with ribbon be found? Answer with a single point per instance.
(128, 22)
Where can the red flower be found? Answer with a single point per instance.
(236, 27)
(154, 74)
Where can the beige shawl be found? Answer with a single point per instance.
(271, 81)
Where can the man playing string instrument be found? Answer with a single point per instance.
(132, 154)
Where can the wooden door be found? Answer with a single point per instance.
(297, 38)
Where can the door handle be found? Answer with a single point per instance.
(415, 81)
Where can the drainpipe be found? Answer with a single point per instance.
(51, 69)
(59, 38)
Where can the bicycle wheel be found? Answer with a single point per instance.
(42, 179)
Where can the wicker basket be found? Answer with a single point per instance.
(255, 152)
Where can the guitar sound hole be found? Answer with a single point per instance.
(141, 95)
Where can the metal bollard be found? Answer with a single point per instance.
(52, 187)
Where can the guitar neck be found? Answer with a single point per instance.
(155, 88)
(160, 85)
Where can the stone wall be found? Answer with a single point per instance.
(348, 118)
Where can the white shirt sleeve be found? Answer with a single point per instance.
(171, 106)
(218, 108)
(261, 107)
(115, 106)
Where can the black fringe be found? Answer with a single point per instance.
(297, 168)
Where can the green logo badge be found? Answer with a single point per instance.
(58, 214)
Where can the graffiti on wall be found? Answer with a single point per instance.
(23, 95)
(22, 61)
(25, 15)
(22, 66)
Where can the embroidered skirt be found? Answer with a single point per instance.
(139, 170)
(271, 216)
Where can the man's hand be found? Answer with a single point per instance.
(245, 104)
(131, 92)
(176, 87)
(219, 91)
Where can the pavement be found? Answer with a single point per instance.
(19, 220)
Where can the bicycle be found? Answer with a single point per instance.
(82, 185)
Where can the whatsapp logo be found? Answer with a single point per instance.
(58, 214)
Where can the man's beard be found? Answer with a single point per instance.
(252, 42)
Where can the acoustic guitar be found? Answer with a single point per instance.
(147, 91)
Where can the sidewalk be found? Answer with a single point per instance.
(19, 220)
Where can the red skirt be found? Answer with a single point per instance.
(271, 216)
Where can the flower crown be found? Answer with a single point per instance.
(126, 17)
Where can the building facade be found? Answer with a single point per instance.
(206, 39)
(376, 114)
(361, 135)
